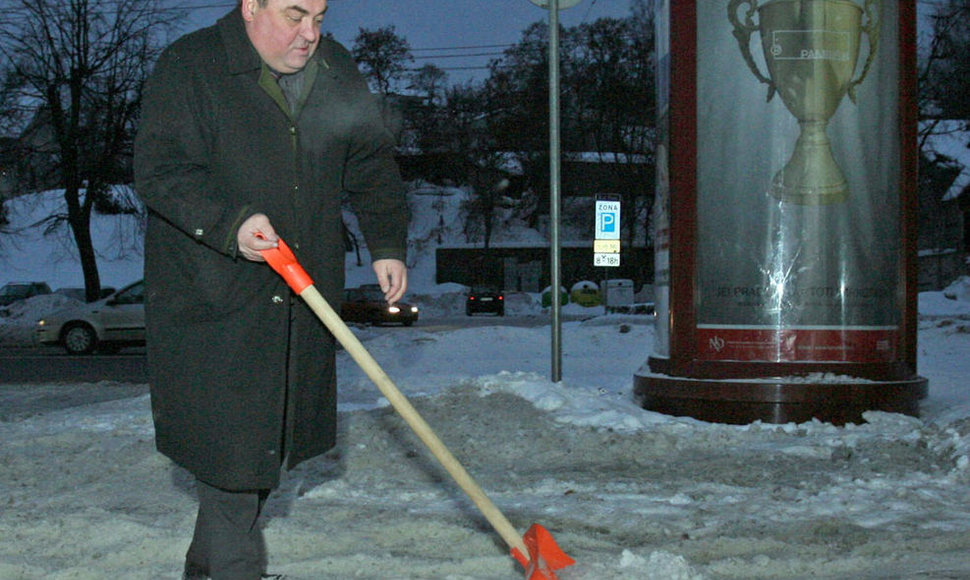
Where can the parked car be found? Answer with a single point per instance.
(485, 299)
(15, 291)
(366, 304)
(105, 325)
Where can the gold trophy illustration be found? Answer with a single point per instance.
(811, 48)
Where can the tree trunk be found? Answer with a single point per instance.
(79, 218)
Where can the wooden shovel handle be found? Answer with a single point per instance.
(353, 346)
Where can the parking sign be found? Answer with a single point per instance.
(606, 245)
(607, 220)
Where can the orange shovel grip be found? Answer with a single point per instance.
(283, 261)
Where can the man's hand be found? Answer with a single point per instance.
(255, 235)
(392, 275)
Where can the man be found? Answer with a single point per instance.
(251, 131)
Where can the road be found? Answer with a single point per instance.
(52, 365)
(34, 365)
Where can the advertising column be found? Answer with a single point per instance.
(798, 252)
(796, 242)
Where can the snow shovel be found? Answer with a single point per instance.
(536, 551)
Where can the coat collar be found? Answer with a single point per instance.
(241, 56)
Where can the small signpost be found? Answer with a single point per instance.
(606, 242)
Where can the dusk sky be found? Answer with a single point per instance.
(452, 34)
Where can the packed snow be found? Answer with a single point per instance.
(630, 494)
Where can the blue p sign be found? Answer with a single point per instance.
(607, 220)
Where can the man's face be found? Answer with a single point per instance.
(285, 32)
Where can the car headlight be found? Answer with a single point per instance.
(394, 309)
(414, 309)
(41, 322)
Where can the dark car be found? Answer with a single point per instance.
(484, 299)
(106, 325)
(366, 305)
(15, 291)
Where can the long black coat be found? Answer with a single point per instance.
(242, 373)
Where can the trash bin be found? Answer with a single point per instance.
(617, 293)
(585, 294)
(547, 297)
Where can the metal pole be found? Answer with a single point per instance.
(554, 178)
(554, 189)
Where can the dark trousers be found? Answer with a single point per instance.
(228, 542)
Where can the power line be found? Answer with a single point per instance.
(468, 47)
(466, 55)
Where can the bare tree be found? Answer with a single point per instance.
(76, 68)
(516, 97)
(463, 130)
(429, 83)
(426, 117)
(383, 57)
(944, 64)
(488, 197)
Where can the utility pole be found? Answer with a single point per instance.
(554, 6)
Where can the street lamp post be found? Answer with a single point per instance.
(554, 6)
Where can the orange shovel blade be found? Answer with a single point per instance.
(545, 556)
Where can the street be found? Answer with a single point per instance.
(34, 365)
(19, 365)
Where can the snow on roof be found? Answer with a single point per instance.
(952, 139)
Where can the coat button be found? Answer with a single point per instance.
(277, 299)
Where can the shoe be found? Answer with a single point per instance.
(194, 572)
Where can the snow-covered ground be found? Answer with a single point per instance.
(629, 494)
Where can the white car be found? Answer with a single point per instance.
(106, 325)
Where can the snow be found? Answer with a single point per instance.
(628, 493)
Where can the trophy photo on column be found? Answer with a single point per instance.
(811, 49)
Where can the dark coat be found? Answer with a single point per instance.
(242, 373)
